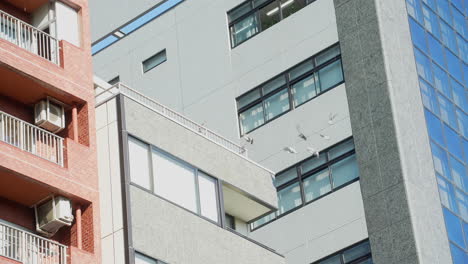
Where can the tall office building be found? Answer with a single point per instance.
(49, 201)
(359, 107)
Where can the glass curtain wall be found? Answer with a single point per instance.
(439, 34)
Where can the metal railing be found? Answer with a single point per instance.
(172, 115)
(28, 37)
(28, 248)
(31, 138)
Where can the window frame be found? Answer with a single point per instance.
(289, 83)
(150, 149)
(341, 251)
(163, 51)
(256, 11)
(300, 177)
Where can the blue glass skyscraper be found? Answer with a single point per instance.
(439, 34)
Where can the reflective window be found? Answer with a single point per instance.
(289, 198)
(173, 179)
(139, 163)
(356, 254)
(454, 228)
(142, 259)
(302, 82)
(313, 178)
(243, 22)
(154, 61)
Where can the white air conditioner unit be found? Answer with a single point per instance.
(50, 115)
(52, 214)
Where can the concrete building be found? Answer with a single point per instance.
(359, 107)
(49, 201)
(173, 191)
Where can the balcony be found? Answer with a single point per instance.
(27, 248)
(30, 138)
(29, 38)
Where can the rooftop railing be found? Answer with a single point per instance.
(29, 38)
(30, 138)
(172, 115)
(28, 248)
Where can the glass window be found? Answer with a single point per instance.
(454, 228)
(208, 196)
(263, 220)
(154, 61)
(459, 22)
(239, 11)
(244, 29)
(458, 255)
(430, 21)
(317, 185)
(341, 149)
(423, 66)
(443, 10)
(459, 175)
(454, 66)
(447, 194)
(437, 51)
(327, 55)
(289, 7)
(276, 104)
(269, 15)
(333, 260)
(300, 69)
(273, 84)
(289, 198)
(344, 171)
(441, 81)
(330, 75)
(429, 97)
(313, 163)
(462, 122)
(141, 259)
(139, 163)
(434, 127)
(356, 252)
(230, 221)
(285, 176)
(439, 157)
(447, 111)
(304, 90)
(453, 142)
(174, 180)
(248, 98)
(114, 80)
(251, 118)
(448, 37)
(418, 35)
(462, 203)
(459, 95)
(414, 9)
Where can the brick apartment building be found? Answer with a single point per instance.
(48, 171)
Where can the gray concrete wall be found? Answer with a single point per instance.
(203, 75)
(319, 229)
(401, 199)
(108, 15)
(174, 235)
(200, 152)
(112, 229)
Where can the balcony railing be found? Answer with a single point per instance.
(28, 37)
(31, 138)
(28, 248)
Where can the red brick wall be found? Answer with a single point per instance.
(9, 106)
(17, 214)
(83, 125)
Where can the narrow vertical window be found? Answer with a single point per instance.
(208, 194)
(139, 163)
